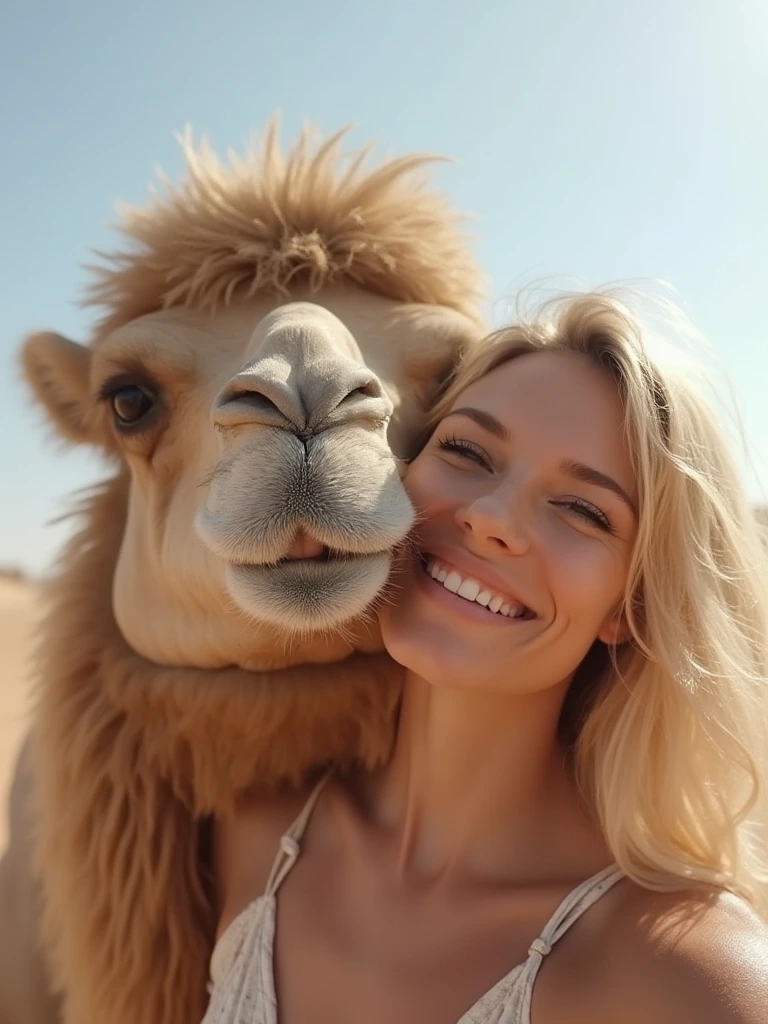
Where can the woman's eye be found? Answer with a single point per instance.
(586, 510)
(130, 404)
(465, 450)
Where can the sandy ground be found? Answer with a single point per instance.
(17, 619)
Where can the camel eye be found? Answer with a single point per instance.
(130, 404)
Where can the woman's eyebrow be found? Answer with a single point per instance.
(483, 419)
(588, 475)
(575, 470)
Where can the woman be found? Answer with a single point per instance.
(583, 626)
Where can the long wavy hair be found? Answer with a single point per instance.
(667, 732)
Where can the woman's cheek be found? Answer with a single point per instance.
(585, 575)
(426, 485)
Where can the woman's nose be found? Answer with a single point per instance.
(495, 524)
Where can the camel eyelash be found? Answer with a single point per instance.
(133, 403)
(110, 387)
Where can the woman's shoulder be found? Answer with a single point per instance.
(693, 957)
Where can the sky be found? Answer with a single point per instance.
(592, 142)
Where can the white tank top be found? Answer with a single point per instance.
(242, 982)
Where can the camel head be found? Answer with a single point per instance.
(271, 336)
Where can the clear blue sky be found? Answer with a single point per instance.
(597, 140)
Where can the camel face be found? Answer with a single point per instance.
(265, 445)
(305, 503)
(272, 334)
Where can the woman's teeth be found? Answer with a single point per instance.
(471, 590)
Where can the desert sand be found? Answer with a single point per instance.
(18, 607)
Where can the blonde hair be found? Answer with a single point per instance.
(668, 732)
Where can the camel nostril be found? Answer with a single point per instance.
(361, 394)
(371, 389)
(247, 402)
(257, 401)
(321, 395)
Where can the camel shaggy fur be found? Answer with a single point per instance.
(270, 338)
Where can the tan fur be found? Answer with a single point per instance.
(136, 755)
(25, 984)
(131, 758)
(271, 223)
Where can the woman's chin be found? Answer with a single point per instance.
(428, 650)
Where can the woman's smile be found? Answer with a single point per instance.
(470, 587)
(447, 592)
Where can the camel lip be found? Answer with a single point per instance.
(309, 595)
(328, 557)
(304, 547)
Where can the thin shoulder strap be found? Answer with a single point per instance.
(577, 902)
(289, 841)
(567, 913)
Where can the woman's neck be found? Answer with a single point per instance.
(478, 788)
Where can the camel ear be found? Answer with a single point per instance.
(58, 371)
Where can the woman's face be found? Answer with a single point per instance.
(527, 498)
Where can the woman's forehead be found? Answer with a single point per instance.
(538, 381)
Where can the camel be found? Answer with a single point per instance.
(269, 340)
